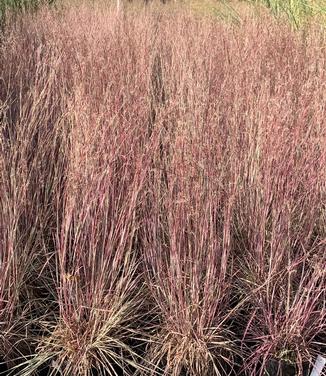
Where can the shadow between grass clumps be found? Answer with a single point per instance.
(275, 367)
(3, 368)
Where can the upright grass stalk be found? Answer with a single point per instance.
(31, 166)
(162, 193)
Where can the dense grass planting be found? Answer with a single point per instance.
(163, 192)
(12, 7)
(297, 11)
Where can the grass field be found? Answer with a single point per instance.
(163, 189)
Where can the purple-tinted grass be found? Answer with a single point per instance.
(162, 193)
(31, 106)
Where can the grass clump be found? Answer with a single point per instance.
(162, 192)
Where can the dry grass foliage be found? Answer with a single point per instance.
(163, 190)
